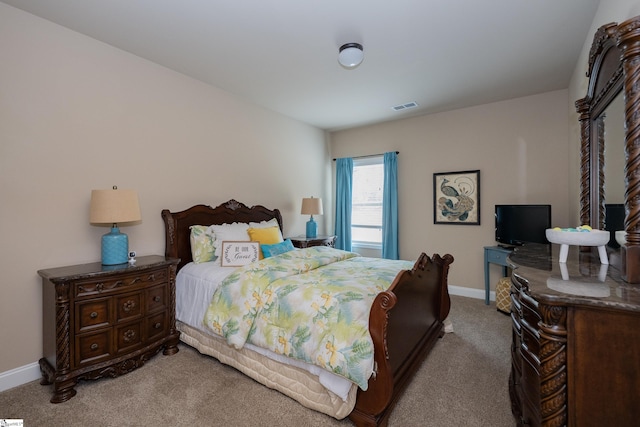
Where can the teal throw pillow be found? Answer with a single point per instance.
(276, 248)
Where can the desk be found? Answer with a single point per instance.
(494, 255)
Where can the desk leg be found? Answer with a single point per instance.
(486, 278)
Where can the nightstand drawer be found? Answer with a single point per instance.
(120, 283)
(128, 336)
(128, 306)
(156, 298)
(93, 314)
(93, 348)
(156, 325)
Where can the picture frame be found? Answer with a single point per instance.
(237, 254)
(456, 197)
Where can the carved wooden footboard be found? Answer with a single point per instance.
(405, 323)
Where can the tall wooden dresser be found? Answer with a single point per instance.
(576, 340)
(101, 321)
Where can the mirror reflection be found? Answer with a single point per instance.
(614, 160)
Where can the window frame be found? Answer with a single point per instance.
(368, 161)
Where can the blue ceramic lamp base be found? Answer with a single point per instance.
(312, 229)
(115, 247)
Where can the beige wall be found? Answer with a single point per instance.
(76, 115)
(519, 146)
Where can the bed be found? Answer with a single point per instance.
(405, 321)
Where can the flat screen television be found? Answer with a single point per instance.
(519, 224)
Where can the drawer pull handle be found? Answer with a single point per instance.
(94, 346)
(157, 325)
(156, 298)
(93, 315)
(128, 306)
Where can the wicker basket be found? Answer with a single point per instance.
(503, 296)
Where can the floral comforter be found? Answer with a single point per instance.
(310, 304)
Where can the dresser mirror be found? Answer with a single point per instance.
(610, 139)
(613, 131)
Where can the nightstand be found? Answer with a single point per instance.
(105, 321)
(307, 242)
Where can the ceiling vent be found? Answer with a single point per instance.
(406, 106)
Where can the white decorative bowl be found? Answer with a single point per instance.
(621, 237)
(564, 238)
(581, 238)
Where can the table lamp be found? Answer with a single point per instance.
(113, 207)
(311, 206)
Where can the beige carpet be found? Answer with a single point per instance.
(463, 382)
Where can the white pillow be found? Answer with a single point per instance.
(265, 224)
(236, 232)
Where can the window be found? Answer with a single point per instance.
(366, 213)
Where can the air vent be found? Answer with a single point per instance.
(406, 106)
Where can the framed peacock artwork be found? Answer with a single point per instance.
(456, 198)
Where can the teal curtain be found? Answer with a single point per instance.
(390, 207)
(344, 190)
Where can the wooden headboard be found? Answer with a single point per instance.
(177, 244)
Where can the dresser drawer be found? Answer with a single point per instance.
(93, 348)
(530, 344)
(156, 298)
(93, 314)
(530, 315)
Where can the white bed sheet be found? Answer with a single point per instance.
(195, 285)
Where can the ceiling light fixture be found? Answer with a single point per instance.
(350, 55)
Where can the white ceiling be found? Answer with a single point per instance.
(282, 54)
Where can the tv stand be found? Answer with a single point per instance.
(494, 255)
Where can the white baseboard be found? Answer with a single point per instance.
(470, 292)
(19, 376)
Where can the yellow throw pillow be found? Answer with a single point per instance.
(265, 236)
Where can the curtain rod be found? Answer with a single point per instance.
(370, 155)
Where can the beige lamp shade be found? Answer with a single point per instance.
(311, 206)
(114, 206)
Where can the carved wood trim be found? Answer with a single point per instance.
(63, 356)
(553, 362)
(629, 42)
(583, 108)
(601, 148)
